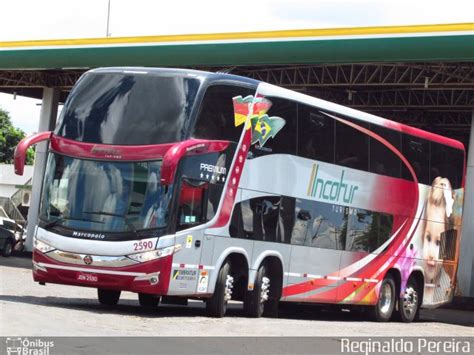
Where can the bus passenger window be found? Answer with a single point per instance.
(329, 226)
(286, 219)
(315, 134)
(300, 227)
(242, 221)
(352, 146)
(216, 115)
(284, 141)
(265, 218)
(236, 227)
(319, 225)
(417, 152)
(367, 230)
(384, 161)
(190, 206)
(363, 231)
(385, 227)
(448, 163)
(214, 196)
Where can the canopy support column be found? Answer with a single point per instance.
(49, 111)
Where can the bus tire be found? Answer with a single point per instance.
(148, 301)
(409, 302)
(259, 301)
(108, 297)
(217, 305)
(383, 309)
(8, 248)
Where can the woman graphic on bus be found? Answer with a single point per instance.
(439, 208)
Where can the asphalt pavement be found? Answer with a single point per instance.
(27, 308)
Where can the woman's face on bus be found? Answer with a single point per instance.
(431, 245)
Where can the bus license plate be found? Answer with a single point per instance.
(82, 276)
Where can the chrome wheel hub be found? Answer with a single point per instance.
(229, 285)
(385, 301)
(265, 289)
(410, 301)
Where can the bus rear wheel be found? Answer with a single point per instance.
(262, 301)
(217, 305)
(409, 302)
(108, 297)
(383, 310)
(148, 301)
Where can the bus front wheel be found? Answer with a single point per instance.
(108, 297)
(383, 310)
(217, 304)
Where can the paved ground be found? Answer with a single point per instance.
(27, 308)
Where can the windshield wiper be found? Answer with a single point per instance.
(62, 218)
(128, 223)
(106, 214)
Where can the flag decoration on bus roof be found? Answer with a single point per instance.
(263, 126)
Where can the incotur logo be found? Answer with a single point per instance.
(331, 190)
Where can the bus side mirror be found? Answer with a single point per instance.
(174, 155)
(189, 147)
(22, 147)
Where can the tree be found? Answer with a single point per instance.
(9, 138)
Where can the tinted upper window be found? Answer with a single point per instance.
(315, 134)
(128, 109)
(284, 141)
(352, 146)
(448, 163)
(384, 161)
(216, 115)
(417, 152)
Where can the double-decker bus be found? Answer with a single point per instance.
(182, 184)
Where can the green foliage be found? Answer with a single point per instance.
(9, 138)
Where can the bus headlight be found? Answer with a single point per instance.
(43, 247)
(153, 254)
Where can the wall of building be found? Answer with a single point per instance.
(9, 181)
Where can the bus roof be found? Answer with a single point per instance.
(269, 89)
(272, 90)
(175, 71)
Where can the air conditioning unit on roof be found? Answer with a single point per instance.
(26, 198)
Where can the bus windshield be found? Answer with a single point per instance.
(129, 108)
(104, 196)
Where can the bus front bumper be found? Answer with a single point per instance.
(150, 277)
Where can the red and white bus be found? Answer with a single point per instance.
(181, 184)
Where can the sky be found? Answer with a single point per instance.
(60, 19)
